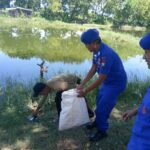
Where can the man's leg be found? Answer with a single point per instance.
(106, 100)
(58, 100)
(90, 111)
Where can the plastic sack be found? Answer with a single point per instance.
(74, 110)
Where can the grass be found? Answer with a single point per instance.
(24, 23)
(16, 133)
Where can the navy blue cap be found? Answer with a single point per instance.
(145, 42)
(89, 36)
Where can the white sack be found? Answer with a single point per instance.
(74, 110)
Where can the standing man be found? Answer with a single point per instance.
(140, 138)
(112, 80)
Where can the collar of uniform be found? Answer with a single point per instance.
(101, 46)
(100, 49)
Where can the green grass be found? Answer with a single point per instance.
(24, 23)
(16, 133)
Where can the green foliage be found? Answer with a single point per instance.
(134, 92)
(13, 103)
(44, 133)
(140, 12)
(132, 12)
(76, 11)
(29, 4)
(117, 12)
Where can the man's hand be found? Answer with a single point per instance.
(81, 93)
(79, 87)
(128, 114)
(34, 111)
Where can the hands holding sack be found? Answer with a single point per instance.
(74, 110)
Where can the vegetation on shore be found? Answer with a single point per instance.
(17, 133)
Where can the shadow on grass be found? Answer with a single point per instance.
(17, 133)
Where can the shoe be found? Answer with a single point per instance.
(91, 125)
(32, 118)
(97, 136)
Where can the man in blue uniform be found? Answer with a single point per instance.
(111, 77)
(140, 138)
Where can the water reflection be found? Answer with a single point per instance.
(14, 32)
(49, 44)
(43, 34)
(27, 69)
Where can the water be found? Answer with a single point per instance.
(27, 69)
(136, 68)
(21, 51)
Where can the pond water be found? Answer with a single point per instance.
(20, 52)
(27, 69)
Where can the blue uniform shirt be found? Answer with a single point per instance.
(142, 124)
(140, 138)
(108, 62)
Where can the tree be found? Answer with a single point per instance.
(53, 10)
(76, 10)
(29, 4)
(140, 12)
(98, 10)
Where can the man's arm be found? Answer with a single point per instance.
(94, 85)
(90, 74)
(129, 114)
(35, 113)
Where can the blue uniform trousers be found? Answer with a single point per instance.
(105, 102)
(138, 143)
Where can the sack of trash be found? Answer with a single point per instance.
(74, 110)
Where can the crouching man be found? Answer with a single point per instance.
(59, 84)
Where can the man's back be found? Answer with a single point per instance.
(63, 82)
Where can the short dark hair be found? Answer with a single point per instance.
(38, 87)
(78, 80)
(98, 41)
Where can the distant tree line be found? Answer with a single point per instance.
(118, 12)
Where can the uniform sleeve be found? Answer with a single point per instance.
(106, 64)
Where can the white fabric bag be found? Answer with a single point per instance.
(74, 110)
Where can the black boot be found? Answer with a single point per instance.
(94, 137)
(91, 125)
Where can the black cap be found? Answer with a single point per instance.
(38, 87)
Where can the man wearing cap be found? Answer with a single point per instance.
(111, 79)
(140, 138)
(59, 84)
